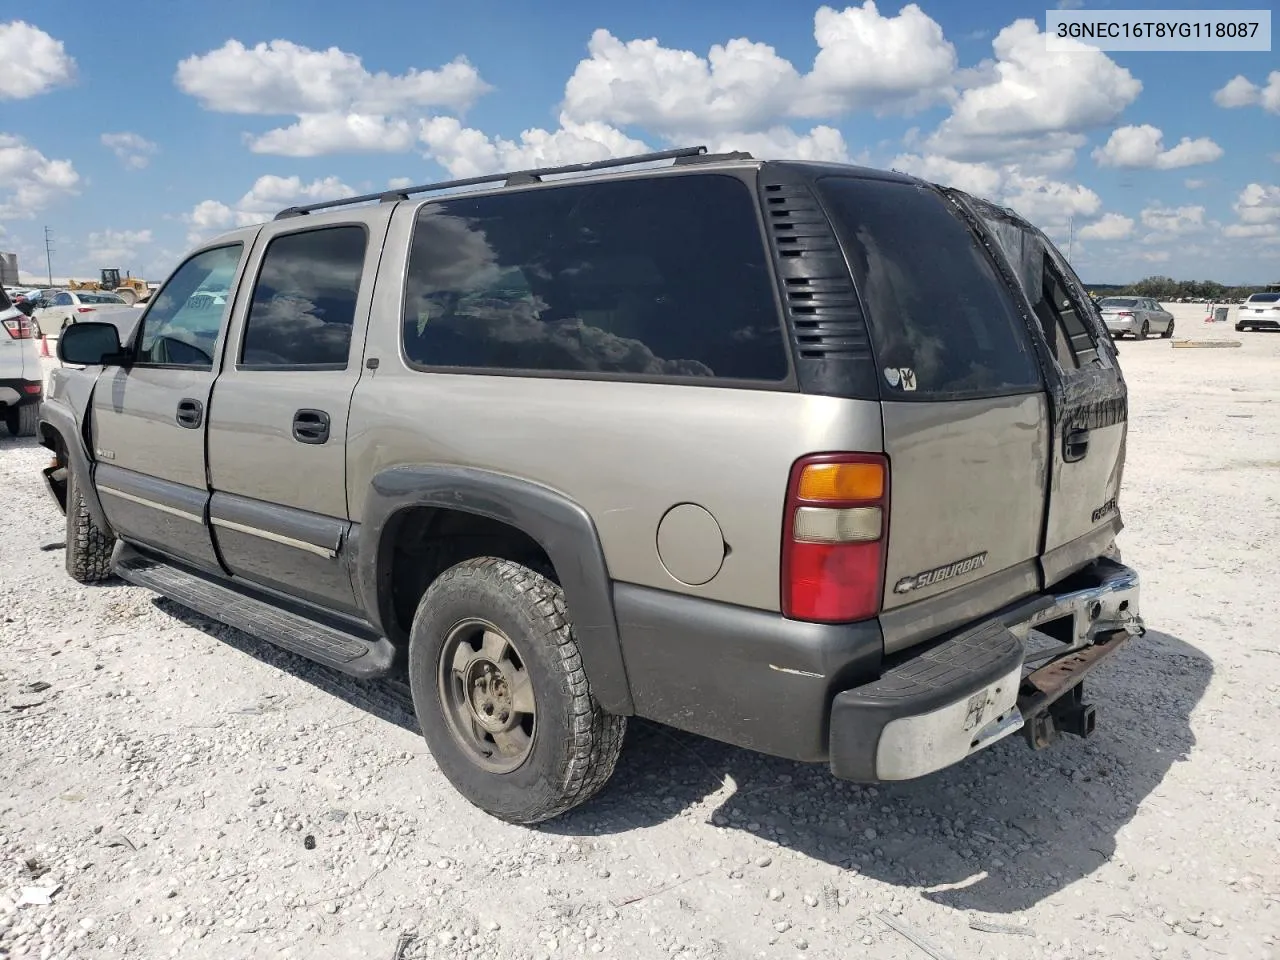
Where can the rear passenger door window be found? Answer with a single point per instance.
(304, 301)
(943, 324)
(648, 278)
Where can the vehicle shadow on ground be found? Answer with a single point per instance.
(997, 833)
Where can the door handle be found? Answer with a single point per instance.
(1075, 445)
(190, 413)
(311, 426)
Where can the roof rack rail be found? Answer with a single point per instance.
(511, 178)
(713, 157)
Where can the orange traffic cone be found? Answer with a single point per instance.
(44, 346)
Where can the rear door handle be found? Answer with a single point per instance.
(190, 413)
(1075, 445)
(311, 426)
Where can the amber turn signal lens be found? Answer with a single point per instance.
(841, 481)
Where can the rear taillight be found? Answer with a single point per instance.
(834, 531)
(85, 309)
(32, 389)
(1124, 313)
(19, 329)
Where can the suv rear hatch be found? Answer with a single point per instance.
(964, 408)
(1003, 411)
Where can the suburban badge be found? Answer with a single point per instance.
(957, 568)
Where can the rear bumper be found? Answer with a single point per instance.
(18, 391)
(932, 709)
(1121, 326)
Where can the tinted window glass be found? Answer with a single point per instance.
(648, 277)
(182, 322)
(942, 322)
(305, 300)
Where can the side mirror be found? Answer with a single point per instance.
(91, 343)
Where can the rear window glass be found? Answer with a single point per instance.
(1117, 302)
(661, 277)
(1265, 298)
(942, 321)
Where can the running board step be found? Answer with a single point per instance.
(294, 632)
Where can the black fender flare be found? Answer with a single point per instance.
(61, 420)
(561, 527)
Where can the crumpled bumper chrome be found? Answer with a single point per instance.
(956, 697)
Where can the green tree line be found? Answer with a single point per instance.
(1167, 288)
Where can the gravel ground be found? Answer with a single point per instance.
(188, 791)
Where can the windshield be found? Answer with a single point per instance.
(1117, 302)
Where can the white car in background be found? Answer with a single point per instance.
(1260, 312)
(58, 309)
(21, 377)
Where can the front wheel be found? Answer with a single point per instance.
(88, 547)
(501, 694)
(1146, 329)
(1168, 331)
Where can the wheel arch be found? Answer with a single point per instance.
(560, 528)
(59, 432)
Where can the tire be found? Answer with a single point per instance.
(24, 420)
(560, 753)
(1241, 328)
(1168, 331)
(35, 328)
(88, 548)
(1146, 329)
(65, 323)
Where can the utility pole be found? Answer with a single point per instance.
(48, 252)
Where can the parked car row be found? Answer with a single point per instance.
(53, 310)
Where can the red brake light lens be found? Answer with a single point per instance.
(19, 328)
(835, 530)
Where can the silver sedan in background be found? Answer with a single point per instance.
(1138, 316)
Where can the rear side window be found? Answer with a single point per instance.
(943, 324)
(661, 277)
(304, 303)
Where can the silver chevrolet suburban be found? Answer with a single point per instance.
(808, 458)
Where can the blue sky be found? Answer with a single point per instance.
(184, 119)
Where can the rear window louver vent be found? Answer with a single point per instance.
(822, 309)
(824, 318)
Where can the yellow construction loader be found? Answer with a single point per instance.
(130, 289)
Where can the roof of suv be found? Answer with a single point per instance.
(624, 168)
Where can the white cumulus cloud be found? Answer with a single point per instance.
(1259, 203)
(466, 152)
(339, 104)
(1111, 226)
(1031, 101)
(31, 61)
(117, 246)
(132, 149)
(1174, 221)
(268, 196)
(30, 181)
(865, 60)
(1240, 91)
(1143, 147)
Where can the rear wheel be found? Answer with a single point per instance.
(1168, 331)
(501, 695)
(22, 421)
(88, 547)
